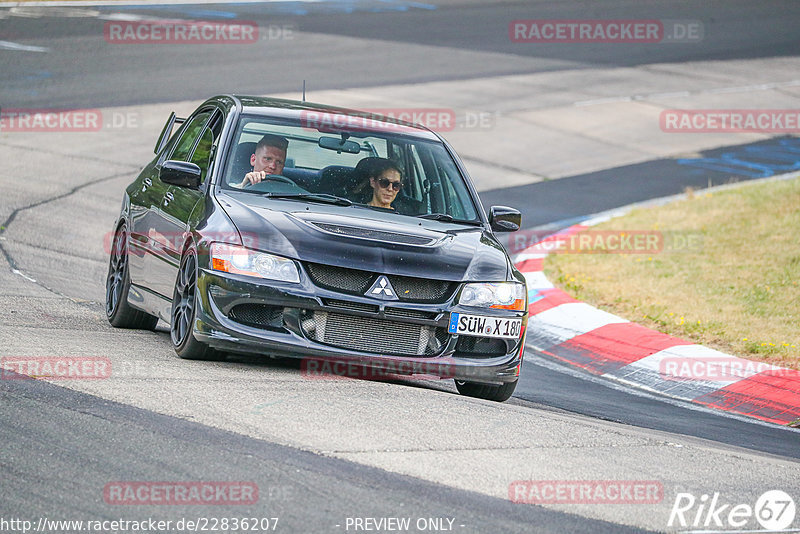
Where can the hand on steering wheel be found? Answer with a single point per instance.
(256, 177)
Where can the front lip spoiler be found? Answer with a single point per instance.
(487, 371)
(213, 327)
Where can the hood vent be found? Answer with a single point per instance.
(374, 235)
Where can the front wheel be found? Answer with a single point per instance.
(184, 304)
(487, 391)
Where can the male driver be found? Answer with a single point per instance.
(268, 158)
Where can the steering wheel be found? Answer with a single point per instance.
(273, 178)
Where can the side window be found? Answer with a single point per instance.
(417, 179)
(172, 139)
(189, 136)
(201, 134)
(204, 151)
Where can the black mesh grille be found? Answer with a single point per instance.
(478, 346)
(347, 305)
(356, 282)
(421, 289)
(416, 314)
(369, 334)
(257, 315)
(378, 235)
(339, 278)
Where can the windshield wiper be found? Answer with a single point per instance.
(444, 217)
(313, 197)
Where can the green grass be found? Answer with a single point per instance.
(736, 290)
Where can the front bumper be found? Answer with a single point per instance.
(241, 314)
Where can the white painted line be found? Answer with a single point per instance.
(27, 12)
(652, 380)
(594, 221)
(519, 258)
(8, 45)
(609, 100)
(537, 280)
(570, 320)
(684, 94)
(676, 94)
(23, 275)
(617, 384)
(707, 360)
(125, 17)
(688, 371)
(750, 88)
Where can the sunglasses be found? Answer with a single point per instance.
(384, 183)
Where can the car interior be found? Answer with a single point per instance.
(338, 180)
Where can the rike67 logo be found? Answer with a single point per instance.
(774, 510)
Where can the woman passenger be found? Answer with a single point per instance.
(385, 179)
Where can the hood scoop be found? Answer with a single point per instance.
(374, 235)
(366, 229)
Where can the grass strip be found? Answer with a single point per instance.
(718, 269)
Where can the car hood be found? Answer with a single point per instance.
(362, 238)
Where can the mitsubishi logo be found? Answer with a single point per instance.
(382, 289)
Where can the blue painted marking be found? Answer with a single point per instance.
(209, 14)
(753, 161)
(420, 5)
(533, 296)
(453, 326)
(780, 154)
(38, 75)
(289, 7)
(189, 11)
(792, 143)
(713, 164)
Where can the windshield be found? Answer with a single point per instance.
(371, 168)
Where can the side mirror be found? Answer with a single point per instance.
(503, 219)
(181, 173)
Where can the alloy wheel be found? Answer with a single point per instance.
(183, 301)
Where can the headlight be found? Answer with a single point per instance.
(503, 295)
(240, 260)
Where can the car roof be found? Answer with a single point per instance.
(331, 115)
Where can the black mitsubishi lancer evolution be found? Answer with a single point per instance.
(284, 228)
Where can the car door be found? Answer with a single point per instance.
(165, 232)
(179, 202)
(145, 202)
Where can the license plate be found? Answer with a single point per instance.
(478, 325)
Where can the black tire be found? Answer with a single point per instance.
(184, 304)
(118, 282)
(487, 391)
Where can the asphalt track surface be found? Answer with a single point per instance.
(44, 421)
(81, 70)
(307, 492)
